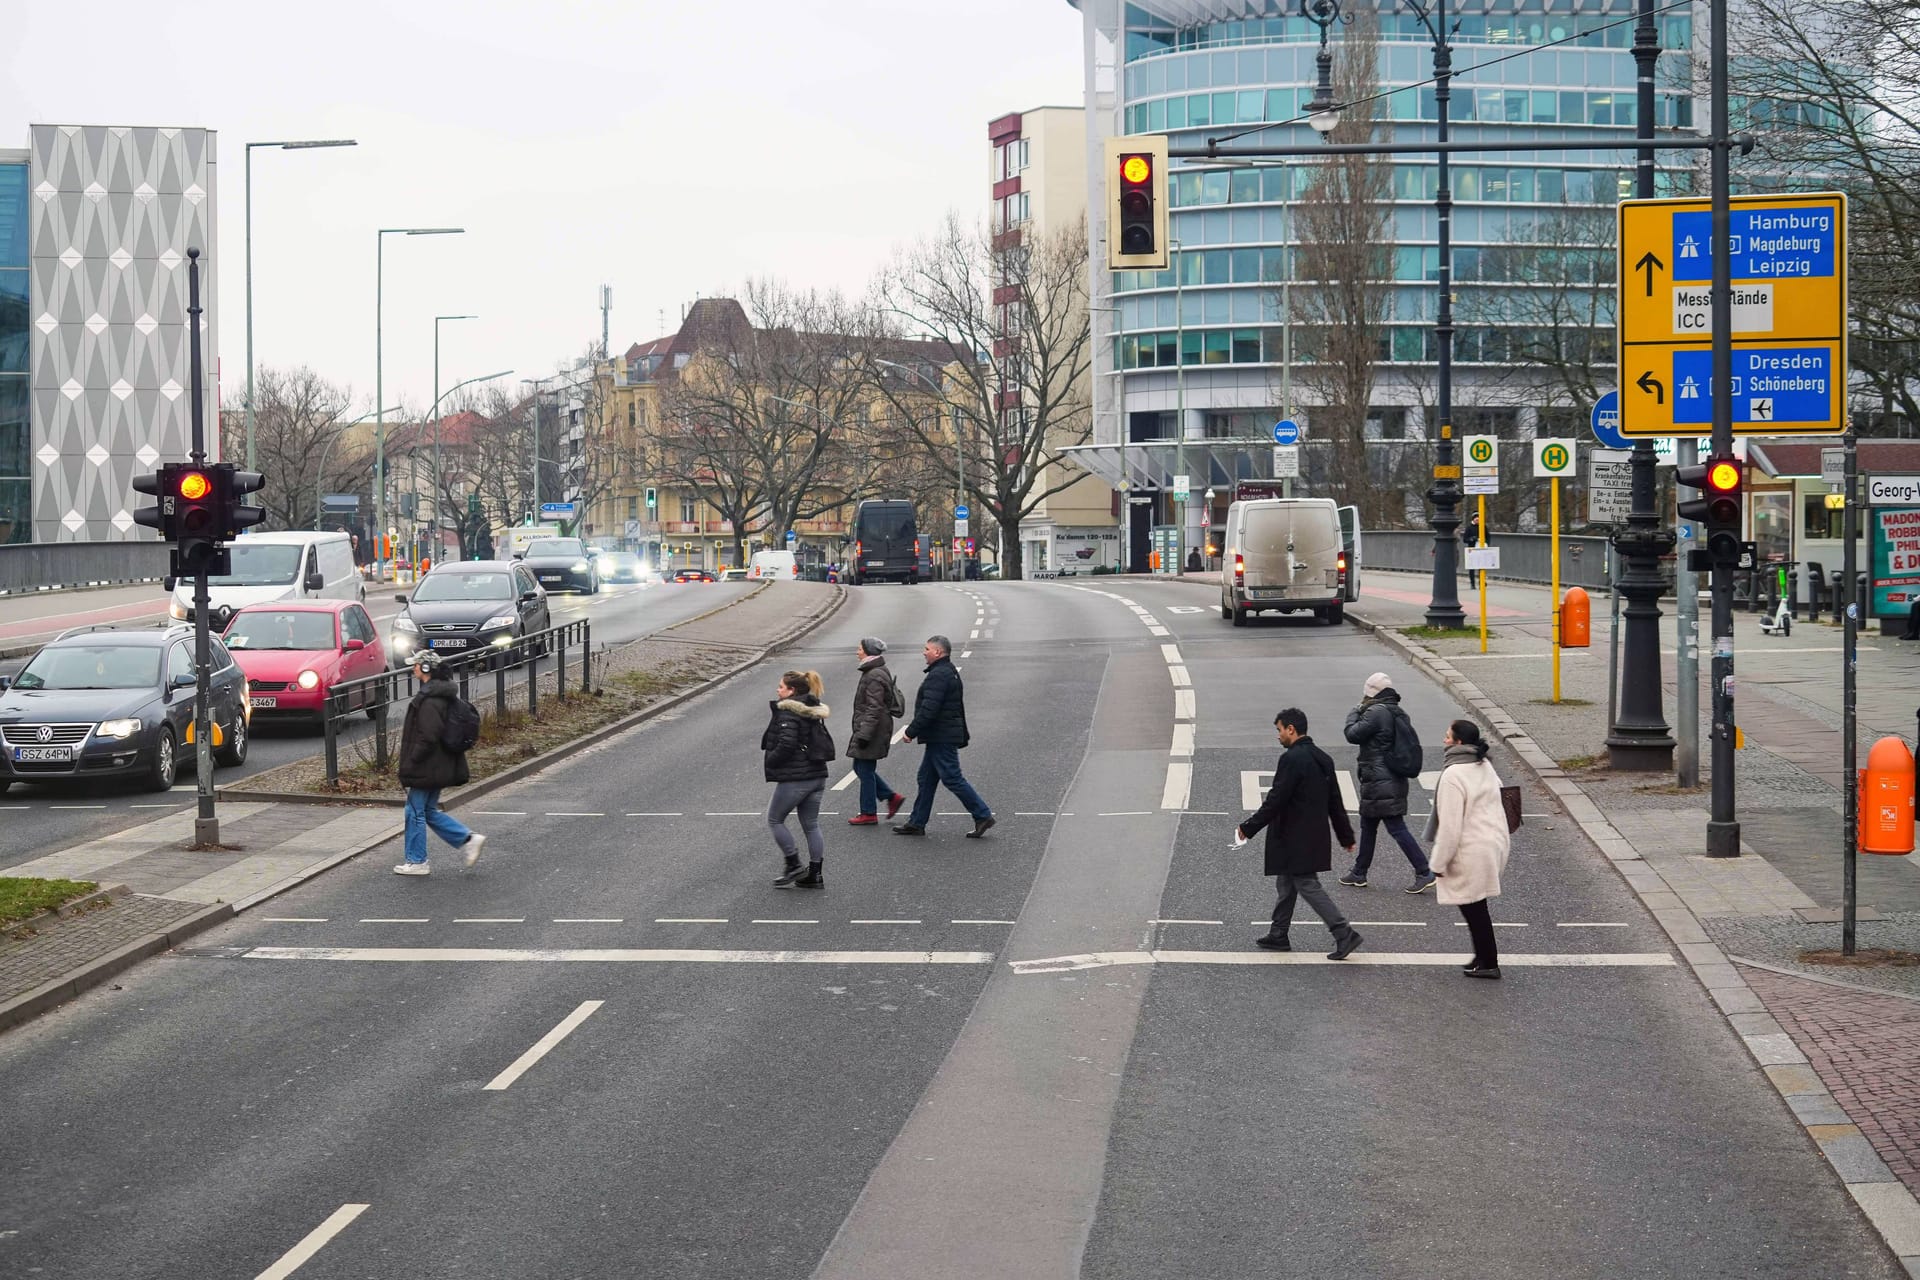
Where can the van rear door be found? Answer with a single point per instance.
(1350, 543)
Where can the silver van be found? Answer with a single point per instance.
(1283, 555)
(270, 567)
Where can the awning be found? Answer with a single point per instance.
(1152, 464)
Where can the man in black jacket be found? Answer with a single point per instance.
(1304, 800)
(427, 766)
(940, 722)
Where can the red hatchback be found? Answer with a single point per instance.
(293, 653)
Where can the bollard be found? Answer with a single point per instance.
(1576, 619)
(329, 725)
(1886, 798)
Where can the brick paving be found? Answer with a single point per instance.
(1866, 1048)
(56, 947)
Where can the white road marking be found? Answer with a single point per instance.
(1593, 924)
(393, 920)
(1179, 786)
(489, 919)
(1349, 793)
(979, 922)
(1183, 708)
(1203, 813)
(1156, 630)
(1184, 608)
(543, 1046)
(655, 815)
(1171, 652)
(499, 813)
(162, 805)
(740, 813)
(689, 919)
(900, 734)
(967, 654)
(1540, 960)
(315, 1240)
(1019, 813)
(76, 806)
(571, 813)
(845, 782)
(294, 919)
(1498, 924)
(589, 920)
(1172, 921)
(883, 922)
(1181, 679)
(975, 635)
(770, 921)
(1129, 813)
(612, 955)
(1182, 739)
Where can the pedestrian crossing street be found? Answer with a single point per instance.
(1254, 784)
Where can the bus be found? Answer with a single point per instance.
(886, 542)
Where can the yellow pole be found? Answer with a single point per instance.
(1554, 603)
(1483, 575)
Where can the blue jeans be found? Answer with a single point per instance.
(1397, 828)
(423, 811)
(941, 764)
(872, 786)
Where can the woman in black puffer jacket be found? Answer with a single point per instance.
(1371, 726)
(796, 747)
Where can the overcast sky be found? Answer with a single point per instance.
(669, 150)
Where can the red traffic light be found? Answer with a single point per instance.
(1723, 476)
(194, 485)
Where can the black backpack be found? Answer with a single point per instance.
(819, 743)
(462, 728)
(1405, 758)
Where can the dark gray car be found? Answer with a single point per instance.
(468, 606)
(563, 564)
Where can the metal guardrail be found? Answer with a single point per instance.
(45, 566)
(375, 695)
(1524, 557)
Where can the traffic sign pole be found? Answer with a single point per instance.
(1723, 832)
(1553, 600)
(1483, 574)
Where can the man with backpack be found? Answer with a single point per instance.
(1390, 755)
(876, 705)
(441, 727)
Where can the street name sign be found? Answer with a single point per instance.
(1787, 258)
(1553, 459)
(1609, 486)
(1286, 461)
(1893, 491)
(559, 510)
(1480, 471)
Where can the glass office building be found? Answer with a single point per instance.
(15, 511)
(1195, 69)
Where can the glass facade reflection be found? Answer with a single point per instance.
(15, 429)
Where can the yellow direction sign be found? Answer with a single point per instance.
(1552, 458)
(1788, 262)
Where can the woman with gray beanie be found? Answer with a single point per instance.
(876, 704)
(1375, 726)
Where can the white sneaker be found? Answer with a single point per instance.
(411, 869)
(472, 847)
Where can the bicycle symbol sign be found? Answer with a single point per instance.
(1480, 452)
(1552, 458)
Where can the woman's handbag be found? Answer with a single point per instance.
(1510, 801)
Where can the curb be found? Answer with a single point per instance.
(77, 906)
(1881, 1196)
(58, 991)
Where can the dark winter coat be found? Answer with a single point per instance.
(1302, 813)
(872, 735)
(940, 707)
(1370, 727)
(789, 733)
(423, 761)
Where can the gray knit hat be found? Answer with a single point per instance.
(874, 645)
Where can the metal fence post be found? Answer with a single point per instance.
(560, 680)
(330, 727)
(500, 685)
(380, 722)
(586, 657)
(533, 680)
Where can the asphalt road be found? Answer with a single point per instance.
(739, 1081)
(43, 816)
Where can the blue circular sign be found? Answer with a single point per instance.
(792, 536)
(1606, 422)
(960, 512)
(1287, 432)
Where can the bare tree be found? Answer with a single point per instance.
(1344, 266)
(1011, 312)
(298, 417)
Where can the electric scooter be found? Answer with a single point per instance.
(1779, 621)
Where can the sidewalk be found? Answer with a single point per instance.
(271, 846)
(1841, 1045)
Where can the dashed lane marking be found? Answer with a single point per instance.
(1129, 813)
(975, 635)
(571, 813)
(393, 920)
(1179, 785)
(76, 806)
(1023, 814)
(1592, 924)
(489, 919)
(1171, 652)
(543, 1046)
(884, 922)
(1181, 679)
(1183, 706)
(295, 919)
(315, 1240)
(1158, 631)
(589, 920)
(499, 813)
(1182, 739)
(739, 813)
(1173, 921)
(654, 815)
(690, 920)
(776, 921)
(1539, 960)
(967, 654)
(620, 955)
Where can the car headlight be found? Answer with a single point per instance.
(499, 620)
(177, 610)
(579, 566)
(502, 641)
(404, 623)
(120, 728)
(307, 679)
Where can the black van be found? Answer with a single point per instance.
(886, 542)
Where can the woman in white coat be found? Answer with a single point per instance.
(1468, 839)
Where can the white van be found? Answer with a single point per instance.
(1282, 554)
(266, 567)
(777, 565)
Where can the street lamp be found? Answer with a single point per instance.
(310, 145)
(1323, 113)
(379, 370)
(437, 397)
(326, 451)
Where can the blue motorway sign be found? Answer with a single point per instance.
(1286, 432)
(1770, 384)
(1767, 244)
(1606, 422)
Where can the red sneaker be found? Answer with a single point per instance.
(894, 802)
(864, 820)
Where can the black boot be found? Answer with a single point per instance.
(793, 871)
(811, 880)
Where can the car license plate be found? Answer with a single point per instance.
(551, 577)
(876, 564)
(448, 644)
(43, 755)
(268, 703)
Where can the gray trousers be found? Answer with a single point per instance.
(1308, 887)
(804, 796)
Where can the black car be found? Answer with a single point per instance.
(466, 606)
(693, 575)
(104, 703)
(563, 564)
(620, 566)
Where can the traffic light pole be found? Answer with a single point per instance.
(1723, 831)
(206, 825)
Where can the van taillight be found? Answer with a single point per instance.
(1343, 562)
(859, 549)
(1239, 567)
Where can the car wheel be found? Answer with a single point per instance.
(1336, 615)
(1226, 611)
(166, 765)
(234, 753)
(1239, 617)
(4, 784)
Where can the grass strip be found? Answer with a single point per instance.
(24, 896)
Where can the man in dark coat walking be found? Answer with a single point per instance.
(1301, 813)
(940, 722)
(1372, 726)
(427, 766)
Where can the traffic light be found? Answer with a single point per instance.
(1717, 509)
(1137, 203)
(236, 484)
(653, 499)
(159, 516)
(196, 517)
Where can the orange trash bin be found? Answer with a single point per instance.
(1576, 619)
(1886, 799)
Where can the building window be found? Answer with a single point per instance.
(633, 506)
(686, 499)
(16, 490)
(1013, 158)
